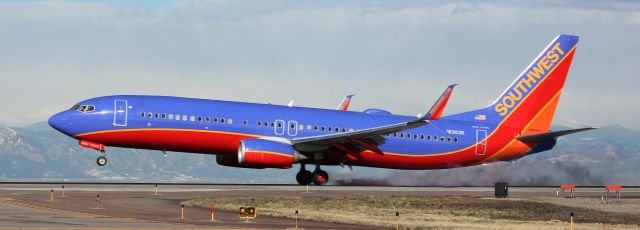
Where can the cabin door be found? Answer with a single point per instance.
(120, 112)
(279, 128)
(481, 142)
(292, 128)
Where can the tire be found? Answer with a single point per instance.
(320, 177)
(304, 177)
(101, 161)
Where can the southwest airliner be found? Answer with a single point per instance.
(250, 135)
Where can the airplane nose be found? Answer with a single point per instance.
(58, 121)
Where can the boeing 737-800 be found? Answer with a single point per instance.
(251, 135)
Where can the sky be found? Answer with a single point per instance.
(394, 55)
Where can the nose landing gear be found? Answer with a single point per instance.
(102, 159)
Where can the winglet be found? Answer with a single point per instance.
(344, 105)
(435, 112)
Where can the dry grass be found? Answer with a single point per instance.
(418, 212)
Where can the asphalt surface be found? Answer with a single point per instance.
(138, 206)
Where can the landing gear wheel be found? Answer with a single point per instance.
(320, 177)
(304, 177)
(102, 161)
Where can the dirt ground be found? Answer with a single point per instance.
(444, 212)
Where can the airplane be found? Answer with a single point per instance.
(251, 135)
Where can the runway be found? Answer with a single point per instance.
(138, 206)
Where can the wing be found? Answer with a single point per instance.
(368, 138)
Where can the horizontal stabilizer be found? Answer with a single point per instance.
(551, 135)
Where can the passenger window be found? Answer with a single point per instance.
(344, 130)
(415, 136)
(199, 119)
(245, 122)
(350, 129)
(315, 128)
(142, 114)
(177, 117)
(273, 125)
(192, 118)
(207, 119)
(292, 126)
(421, 136)
(157, 115)
(164, 116)
(336, 130)
(308, 127)
(149, 115)
(322, 128)
(215, 120)
(230, 121)
(455, 140)
(279, 125)
(448, 139)
(221, 120)
(301, 127)
(259, 123)
(428, 137)
(170, 116)
(395, 134)
(435, 138)
(402, 135)
(184, 117)
(441, 138)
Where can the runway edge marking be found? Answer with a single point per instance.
(12, 201)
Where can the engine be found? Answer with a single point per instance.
(260, 153)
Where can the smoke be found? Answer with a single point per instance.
(536, 171)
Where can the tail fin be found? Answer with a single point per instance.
(530, 101)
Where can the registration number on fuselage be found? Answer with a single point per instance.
(455, 132)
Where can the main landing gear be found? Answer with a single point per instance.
(318, 177)
(102, 159)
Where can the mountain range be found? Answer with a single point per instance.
(37, 152)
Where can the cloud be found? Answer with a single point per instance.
(58, 52)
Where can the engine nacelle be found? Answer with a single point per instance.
(260, 153)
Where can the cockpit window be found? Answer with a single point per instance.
(84, 108)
